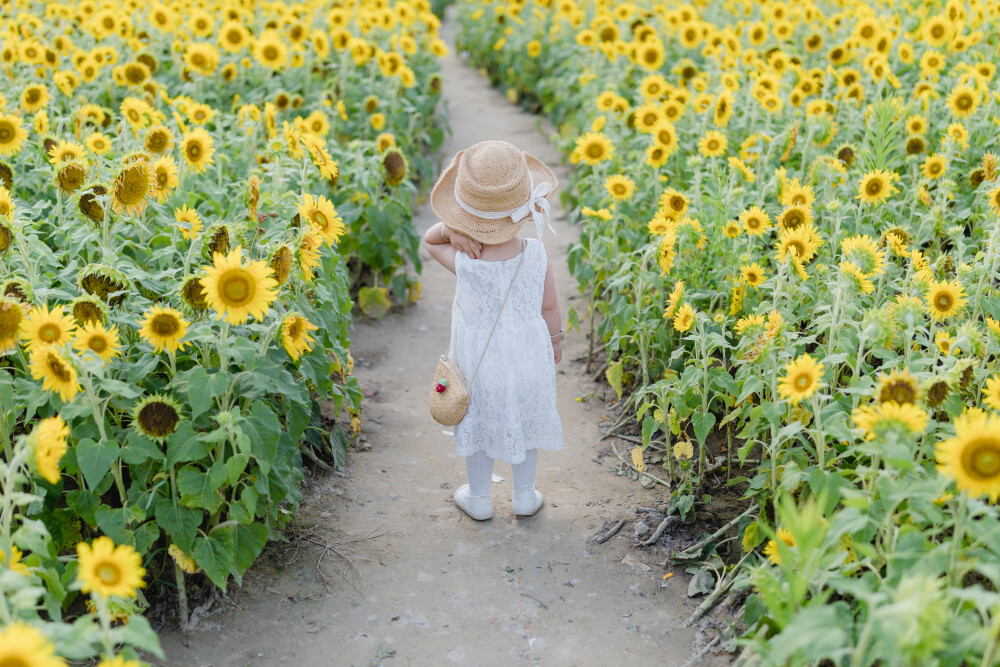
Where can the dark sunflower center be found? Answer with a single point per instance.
(33, 95)
(963, 101)
(6, 132)
(665, 137)
(873, 187)
(108, 573)
(981, 459)
(898, 391)
(98, 344)
(295, 329)
(595, 150)
(235, 37)
(193, 151)
(943, 302)
(270, 53)
(58, 368)
(677, 203)
(236, 287)
(164, 325)
(803, 381)
(158, 419)
(319, 218)
(50, 332)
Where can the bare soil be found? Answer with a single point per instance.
(426, 585)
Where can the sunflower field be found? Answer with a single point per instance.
(193, 195)
(789, 247)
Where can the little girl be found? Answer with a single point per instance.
(484, 197)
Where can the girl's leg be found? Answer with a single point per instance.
(526, 499)
(524, 472)
(474, 498)
(479, 466)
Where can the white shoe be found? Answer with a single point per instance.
(527, 502)
(479, 508)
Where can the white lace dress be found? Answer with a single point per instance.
(513, 404)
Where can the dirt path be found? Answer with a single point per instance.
(439, 588)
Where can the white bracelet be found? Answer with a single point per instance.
(556, 335)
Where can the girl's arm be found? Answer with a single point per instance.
(443, 243)
(551, 313)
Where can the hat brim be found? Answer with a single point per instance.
(485, 231)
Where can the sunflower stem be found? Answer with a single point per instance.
(104, 617)
(820, 438)
(957, 538)
(98, 412)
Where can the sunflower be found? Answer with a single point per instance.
(673, 300)
(88, 204)
(660, 224)
(157, 416)
(98, 143)
(876, 419)
(233, 36)
(619, 187)
(270, 50)
(771, 548)
(755, 220)
(94, 337)
(88, 309)
(944, 298)
(802, 378)
(11, 317)
(136, 112)
(108, 570)
(165, 178)
(197, 149)
(394, 167)
(876, 186)
(994, 200)
(309, 255)
(49, 441)
(800, 243)
(713, 144)
(65, 151)
(15, 565)
(674, 204)
(319, 211)
(6, 207)
(70, 177)
(22, 644)
(132, 188)
(159, 139)
(664, 135)
(963, 100)
(753, 274)
(12, 134)
(6, 239)
(862, 282)
(916, 125)
(795, 216)
(43, 327)
(237, 291)
(972, 457)
(684, 319)
(385, 141)
(56, 373)
(934, 166)
(282, 263)
(594, 148)
(898, 386)
(749, 322)
(295, 335)
(864, 252)
(188, 221)
(991, 392)
(163, 328)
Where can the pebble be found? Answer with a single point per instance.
(641, 528)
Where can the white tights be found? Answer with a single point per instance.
(480, 469)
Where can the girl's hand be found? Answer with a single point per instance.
(557, 351)
(469, 246)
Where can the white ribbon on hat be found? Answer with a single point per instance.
(536, 201)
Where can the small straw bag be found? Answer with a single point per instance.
(450, 393)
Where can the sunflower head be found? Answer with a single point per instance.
(281, 263)
(898, 386)
(89, 205)
(11, 317)
(163, 328)
(972, 456)
(218, 239)
(6, 175)
(238, 291)
(108, 570)
(132, 188)
(70, 176)
(157, 416)
(6, 239)
(94, 337)
(18, 289)
(802, 378)
(86, 309)
(846, 155)
(104, 282)
(55, 371)
(295, 335)
(394, 167)
(192, 294)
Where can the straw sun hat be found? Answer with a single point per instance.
(491, 189)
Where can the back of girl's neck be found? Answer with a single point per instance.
(501, 251)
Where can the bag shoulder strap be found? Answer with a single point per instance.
(524, 249)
